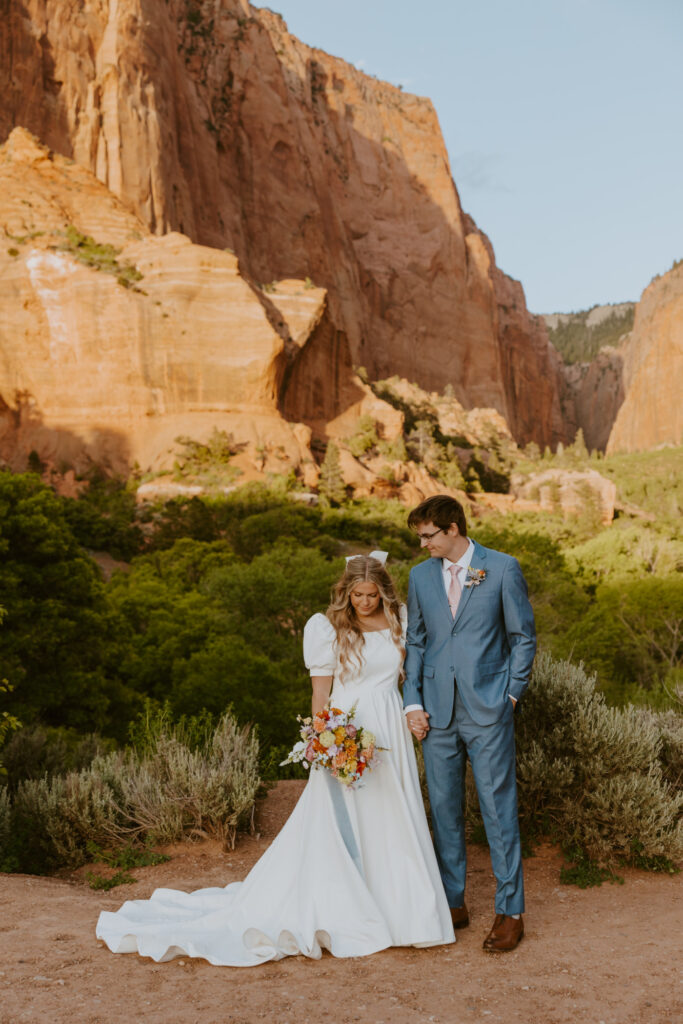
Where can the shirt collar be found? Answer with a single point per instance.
(465, 559)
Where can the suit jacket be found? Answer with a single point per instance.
(488, 648)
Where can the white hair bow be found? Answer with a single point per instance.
(381, 556)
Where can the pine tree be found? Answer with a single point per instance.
(579, 449)
(331, 484)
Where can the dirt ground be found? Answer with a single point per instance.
(610, 955)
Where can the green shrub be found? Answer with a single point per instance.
(103, 883)
(99, 256)
(364, 437)
(54, 819)
(175, 791)
(592, 775)
(207, 462)
(164, 791)
(36, 751)
(669, 726)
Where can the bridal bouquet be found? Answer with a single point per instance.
(333, 741)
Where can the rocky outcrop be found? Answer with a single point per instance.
(112, 346)
(572, 492)
(206, 117)
(652, 412)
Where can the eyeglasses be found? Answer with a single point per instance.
(428, 536)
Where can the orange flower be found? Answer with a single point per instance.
(339, 759)
(339, 735)
(319, 725)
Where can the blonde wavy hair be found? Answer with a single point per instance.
(342, 614)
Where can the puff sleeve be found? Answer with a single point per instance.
(320, 655)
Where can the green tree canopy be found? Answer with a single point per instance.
(55, 644)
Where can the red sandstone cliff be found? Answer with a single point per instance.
(652, 410)
(209, 118)
(111, 349)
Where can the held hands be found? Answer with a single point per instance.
(418, 723)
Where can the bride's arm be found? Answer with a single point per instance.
(321, 691)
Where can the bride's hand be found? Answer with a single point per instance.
(418, 723)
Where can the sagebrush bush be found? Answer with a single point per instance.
(166, 789)
(176, 791)
(593, 775)
(53, 819)
(669, 726)
(5, 824)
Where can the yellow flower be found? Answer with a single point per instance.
(367, 738)
(339, 734)
(351, 766)
(326, 738)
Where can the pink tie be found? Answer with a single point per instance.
(454, 589)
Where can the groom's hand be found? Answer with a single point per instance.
(418, 723)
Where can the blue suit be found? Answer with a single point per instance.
(463, 671)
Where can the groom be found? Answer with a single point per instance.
(469, 650)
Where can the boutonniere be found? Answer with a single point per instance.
(475, 577)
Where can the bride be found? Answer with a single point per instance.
(353, 871)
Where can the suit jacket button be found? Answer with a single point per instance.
(451, 668)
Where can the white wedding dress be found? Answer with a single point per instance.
(352, 871)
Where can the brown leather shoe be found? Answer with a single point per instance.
(460, 916)
(505, 934)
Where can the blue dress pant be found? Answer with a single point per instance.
(491, 751)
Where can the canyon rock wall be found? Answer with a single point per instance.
(593, 395)
(652, 410)
(208, 118)
(628, 397)
(111, 349)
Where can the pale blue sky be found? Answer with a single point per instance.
(563, 122)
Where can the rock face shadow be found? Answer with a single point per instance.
(28, 442)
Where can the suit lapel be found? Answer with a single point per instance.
(436, 568)
(478, 562)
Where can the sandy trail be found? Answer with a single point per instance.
(611, 955)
